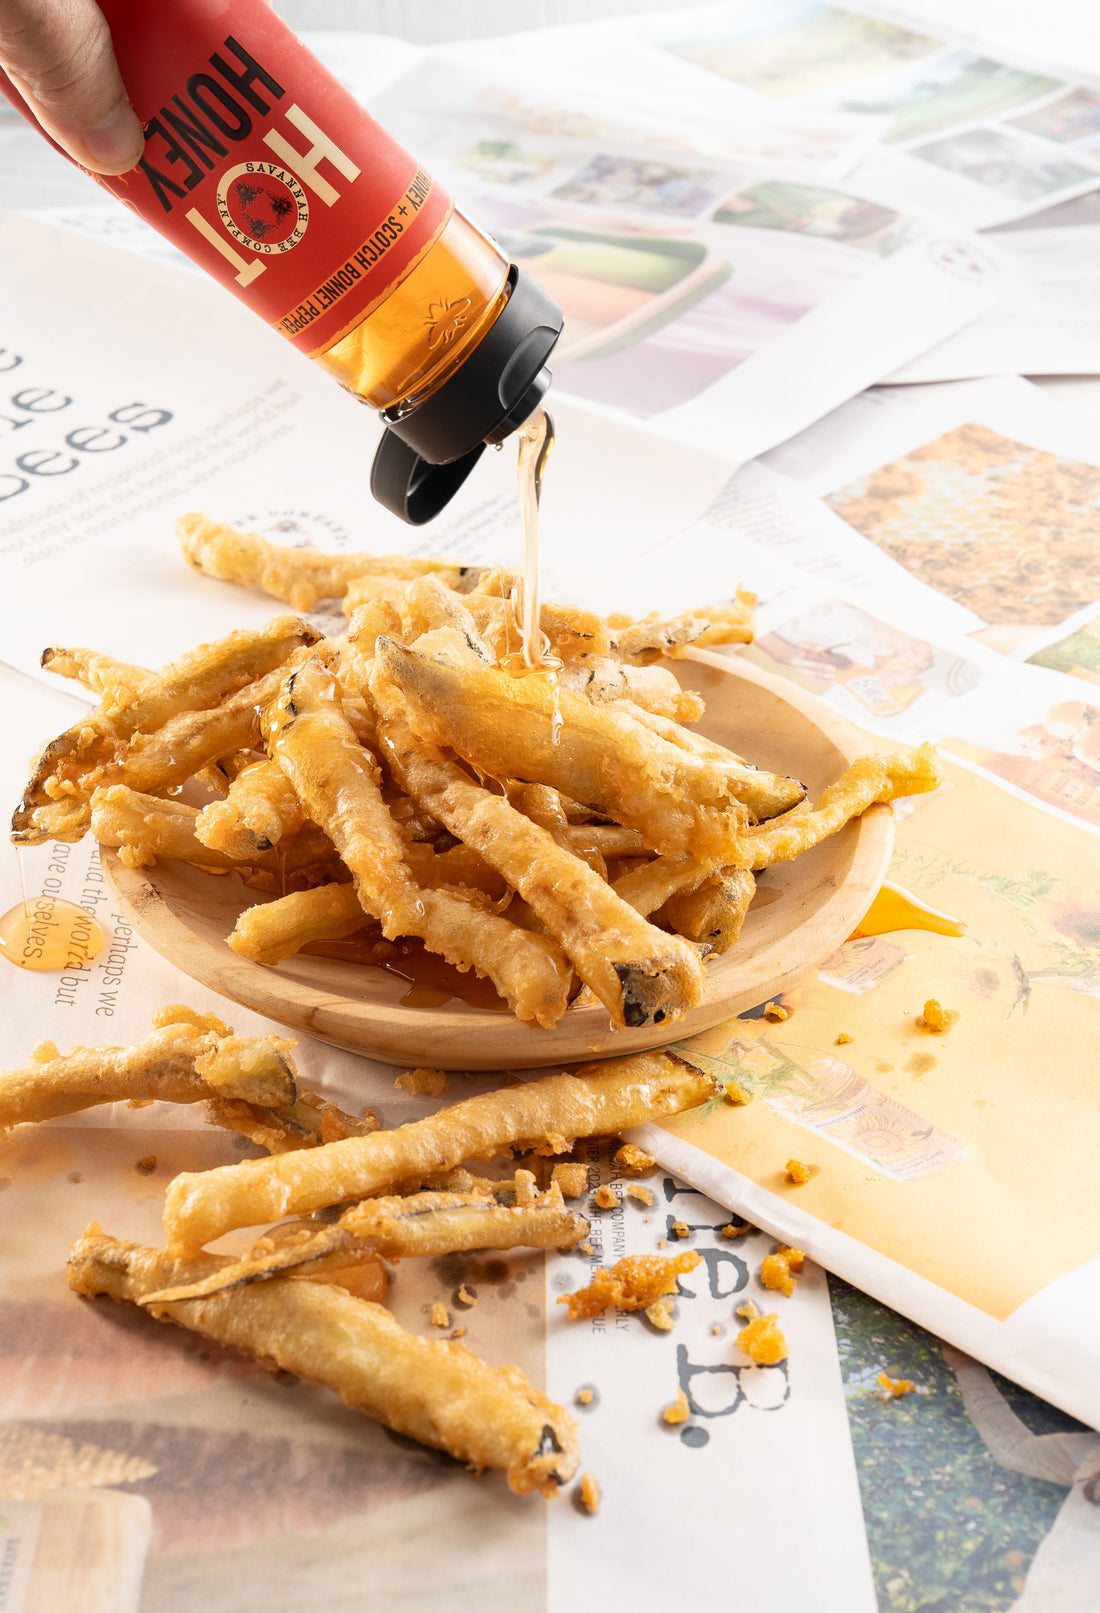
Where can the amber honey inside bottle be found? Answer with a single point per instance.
(422, 332)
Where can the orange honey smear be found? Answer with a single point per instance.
(46, 933)
(895, 909)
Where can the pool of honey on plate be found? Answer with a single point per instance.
(430, 980)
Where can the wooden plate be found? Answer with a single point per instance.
(803, 911)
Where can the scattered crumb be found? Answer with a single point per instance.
(44, 1052)
(146, 1165)
(716, 1329)
(748, 1311)
(895, 1387)
(775, 1272)
(631, 1283)
(606, 1198)
(842, 1039)
(935, 1017)
(635, 1190)
(586, 1249)
(75, 1176)
(572, 1179)
(679, 1411)
(439, 1315)
(680, 1229)
(775, 1012)
(458, 1332)
(585, 1396)
(659, 1314)
(730, 1231)
(428, 1083)
(589, 1493)
(763, 1341)
(737, 1094)
(464, 1297)
(635, 1161)
(800, 1173)
(662, 1243)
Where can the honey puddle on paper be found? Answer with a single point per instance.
(46, 933)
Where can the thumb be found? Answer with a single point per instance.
(59, 56)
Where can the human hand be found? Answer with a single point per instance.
(59, 58)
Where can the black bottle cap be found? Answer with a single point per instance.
(427, 453)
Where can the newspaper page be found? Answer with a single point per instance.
(959, 131)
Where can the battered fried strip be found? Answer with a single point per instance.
(715, 911)
(569, 631)
(101, 673)
(649, 639)
(420, 1224)
(57, 802)
(303, 1124)
(273, 931)
(641, 975)
(728, 624)
(145, 827)
(430, 605)
(868, 780)
(649, 887)
(335, 780)
(259, 809)
(544, 806)
(301, 577)
(432, 1390)
(186, 1059)
(548, 1115)
(654, 688)
(506, 728)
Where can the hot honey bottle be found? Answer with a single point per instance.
(264, 170)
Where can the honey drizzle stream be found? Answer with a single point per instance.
(536, 438)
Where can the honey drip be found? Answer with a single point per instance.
(536, 438)
(46, 933)
(895, 909)
(431, 981)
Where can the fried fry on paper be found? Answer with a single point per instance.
(429, 1389)
(421, 1224)
(547, 1115)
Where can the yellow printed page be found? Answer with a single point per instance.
(968, 1156)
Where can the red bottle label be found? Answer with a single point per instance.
(261, 167)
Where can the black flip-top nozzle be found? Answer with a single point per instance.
(426, 454)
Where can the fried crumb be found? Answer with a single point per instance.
(680, 1229)
(841, 1039)
(585, 1397)
(776, 1269)
(716, 1329)
(426, 1083)
(763, 1341)
(737, 1094)
(464, 1297)
(776, 1012)
(635, 1190)
(730, 1231)
(895, 1387)
(631, 1283)
(458, 1332)
(662, 1243)
(934, 1017)
(146, 1165)
(605, 1198)
(659, 1314)
(589, 1493)
(586, 1249)
(571, 1179)
(678, 1412)
(748, 1311)
(635, 1161)
(75, 1176)
(439, 1315)
(44, 1052)
(800, 1174)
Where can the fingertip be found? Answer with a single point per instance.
(115, 144)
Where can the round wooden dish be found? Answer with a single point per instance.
(803, 911)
